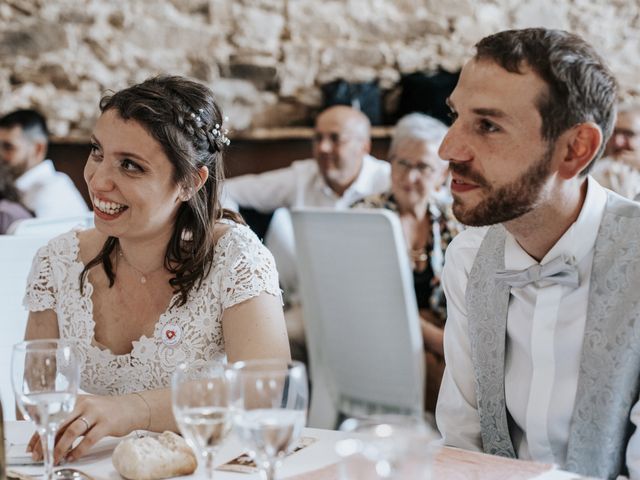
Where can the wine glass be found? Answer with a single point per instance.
(269, 401)
(201, 408)
(45, 375)
(387, 446)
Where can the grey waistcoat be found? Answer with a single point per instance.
(609, 378)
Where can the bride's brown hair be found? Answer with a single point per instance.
(184, 118)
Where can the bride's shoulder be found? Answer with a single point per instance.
(220, 229)
(90, 242)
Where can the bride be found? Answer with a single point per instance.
(167, 276)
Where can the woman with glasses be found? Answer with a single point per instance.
(417, 179)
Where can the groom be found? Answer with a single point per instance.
(542, 341)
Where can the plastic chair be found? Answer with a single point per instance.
(360, 314)
(16, 256)
(50, 227)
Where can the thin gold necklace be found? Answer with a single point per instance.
(143, 276)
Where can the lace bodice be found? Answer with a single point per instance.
(242, 269)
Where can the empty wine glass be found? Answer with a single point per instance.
(45, 375)
(201, 408)
(387, 446)
(269, 401)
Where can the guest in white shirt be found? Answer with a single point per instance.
(341, 172)
(541, 340)
(23, 145)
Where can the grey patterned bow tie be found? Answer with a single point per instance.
(560, 270)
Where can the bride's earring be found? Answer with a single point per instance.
(185, 195)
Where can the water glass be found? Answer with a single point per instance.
(390, 446)
(200, 403)
(45, 375)
(269, 401)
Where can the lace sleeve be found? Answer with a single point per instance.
(41, 290)
(248, 268)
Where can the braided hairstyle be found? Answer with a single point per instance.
(184, 118)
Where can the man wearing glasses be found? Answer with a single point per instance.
(341, 172)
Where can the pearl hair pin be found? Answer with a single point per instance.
(218, 131)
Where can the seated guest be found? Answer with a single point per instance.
(416, 174)
(541, 339)
(23, 146)
(167, 276)
(619, 170)
(11, 209)
(341, 172)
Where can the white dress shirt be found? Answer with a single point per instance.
(545, 327)
(49, 193)
(302, 185)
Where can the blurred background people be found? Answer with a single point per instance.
(417, 176)
(11, 208)
(23, 146)
(341, 172)
(619, 169)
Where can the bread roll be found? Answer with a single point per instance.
(151, 458)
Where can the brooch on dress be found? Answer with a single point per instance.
(171, 334)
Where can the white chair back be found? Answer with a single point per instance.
(360, 314)
(50, 227)
(279, 239)
(16, 256)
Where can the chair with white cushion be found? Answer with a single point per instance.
(360, 314)
(50, 227)
(16, 256)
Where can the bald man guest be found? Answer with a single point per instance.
(341, 172)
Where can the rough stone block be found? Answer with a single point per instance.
(32, 39)
(257, 30)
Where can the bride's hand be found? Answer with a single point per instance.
(93, 418)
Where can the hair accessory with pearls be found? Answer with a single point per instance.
(218, 131)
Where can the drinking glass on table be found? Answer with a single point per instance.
(393, 446)
(45, 375)
(201, 408)
(269, 402)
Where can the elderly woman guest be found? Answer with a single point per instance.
(166, 276)
(11, 208)
(417, 175)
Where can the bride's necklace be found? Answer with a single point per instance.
(144, 276)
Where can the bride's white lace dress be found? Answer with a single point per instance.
(242, 268)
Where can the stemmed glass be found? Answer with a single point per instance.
(201, 408)
(45, 375)
(269, 401)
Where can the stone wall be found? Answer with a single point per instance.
(267, 58)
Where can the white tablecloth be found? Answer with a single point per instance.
(98, 462)
(318, 461)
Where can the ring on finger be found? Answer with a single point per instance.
(86, 422)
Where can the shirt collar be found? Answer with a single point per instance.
(35, 174)
(576, 242)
